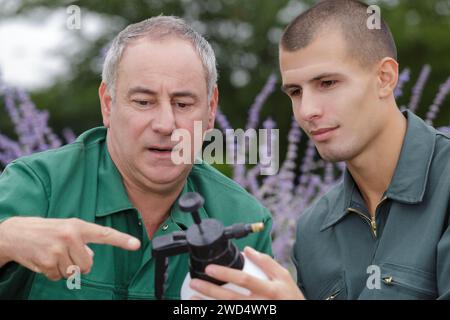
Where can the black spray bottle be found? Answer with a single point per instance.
(207, 242)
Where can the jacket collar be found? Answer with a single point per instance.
(110, 183)
(410, 177)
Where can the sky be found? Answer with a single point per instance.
(34, 47)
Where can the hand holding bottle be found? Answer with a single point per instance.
(279, 286)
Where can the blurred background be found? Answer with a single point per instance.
(61, 67)
(57, 61)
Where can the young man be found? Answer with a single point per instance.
(116, 187)
(383, 232)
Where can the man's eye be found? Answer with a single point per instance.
(295, 92)
(328, 83)
(182, 105)
(141, 102)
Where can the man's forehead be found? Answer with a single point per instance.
(168, 51)
(304, 73)
(191, 92)
(152, 64)
(324, 48)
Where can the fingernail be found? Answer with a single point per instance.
(251, 251)
(133, 242)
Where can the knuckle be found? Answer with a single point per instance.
(244, 280)
(54, 276)
(47, 264)
(55, 252)
(86, 268)
(285, 273)
(65, 275)
(71, 269)
(69, 231)
(232, 296)
(272, 292)
(67, 235)
(50, 271)
(106, 232)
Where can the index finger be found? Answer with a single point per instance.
(267, 264)
(94, 233)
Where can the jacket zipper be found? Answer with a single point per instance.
(334, 295)
(372, 221)
(391, 282)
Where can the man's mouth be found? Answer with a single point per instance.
(322, 133)
(161, 149)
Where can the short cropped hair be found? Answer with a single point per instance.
(367, 46)
(157, 28)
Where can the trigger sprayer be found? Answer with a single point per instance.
(207, 242)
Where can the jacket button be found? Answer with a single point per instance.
(165, 227)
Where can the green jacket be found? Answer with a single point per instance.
(80, 180)
(340, 253)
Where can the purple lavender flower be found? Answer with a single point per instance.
(286, 194)
(30, 124)
(261, 98)
(402, 79)
(418, 88)
(444, 89)
(445, 130)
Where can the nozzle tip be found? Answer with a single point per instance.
(257, 227)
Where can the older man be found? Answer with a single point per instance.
(382, 233)
(116, 186)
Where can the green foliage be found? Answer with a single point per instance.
(240, 32)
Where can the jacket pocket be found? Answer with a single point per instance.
(404, 282)
(399, 282)
(45, 289)
(334, 290)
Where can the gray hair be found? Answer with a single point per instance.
(159, 27)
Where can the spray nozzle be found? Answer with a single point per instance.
(241, 230)
(207, 242)
(191, 202)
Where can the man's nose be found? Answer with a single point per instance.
(309, 108)
(164, 121)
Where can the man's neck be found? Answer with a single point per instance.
(372, 170)
(153, 205)
(152, 200)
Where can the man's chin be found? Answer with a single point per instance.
(332, 156)
(166, 174)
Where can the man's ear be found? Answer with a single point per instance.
(213, 108)
(105, 103)
(387, 77)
